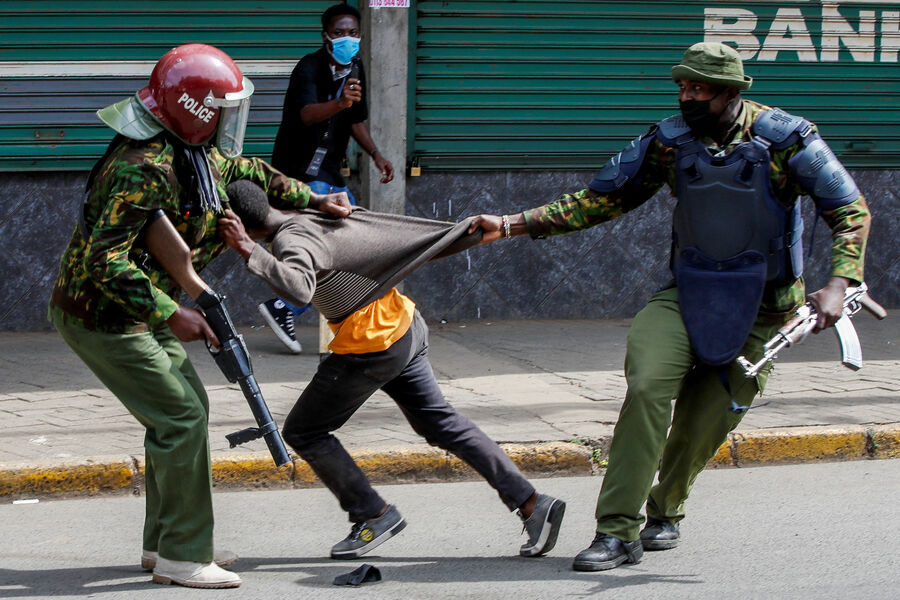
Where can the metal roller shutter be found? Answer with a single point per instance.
(60, 61)
(528, 84)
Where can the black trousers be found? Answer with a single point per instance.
(344, 382)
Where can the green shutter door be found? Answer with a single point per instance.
(527, 84)
(60, 61)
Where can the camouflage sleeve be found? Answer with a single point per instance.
(849, 231)
(284, 192)
(584, 209)
(134, 194)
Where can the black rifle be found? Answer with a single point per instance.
(234, 361)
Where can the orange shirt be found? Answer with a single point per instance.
(374, 327)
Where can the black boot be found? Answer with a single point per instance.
(608, 552)
(659, 535)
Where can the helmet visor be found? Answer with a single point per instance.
(235, 109)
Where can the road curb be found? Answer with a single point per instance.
(809, 444)
(425, 463)
(257, 471)
(88, 477)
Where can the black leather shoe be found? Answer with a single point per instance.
(608, 552)
(659, 535)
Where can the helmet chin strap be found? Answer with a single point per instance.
(209, 195)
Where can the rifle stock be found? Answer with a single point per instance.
(232, 358)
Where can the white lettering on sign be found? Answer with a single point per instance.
(388, 3)
(196, 108)
(890, 36)
(732, 25)
(789, 33)
(835, 29)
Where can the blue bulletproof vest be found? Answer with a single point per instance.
(726, 204)
(730, 234)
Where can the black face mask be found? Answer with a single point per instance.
(697, 115)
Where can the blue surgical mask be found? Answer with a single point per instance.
(343, 49)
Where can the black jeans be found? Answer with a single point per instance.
(341, 385)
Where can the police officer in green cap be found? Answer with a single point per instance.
(737, 169)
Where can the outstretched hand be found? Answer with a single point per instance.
(492, 225)
(334, 204)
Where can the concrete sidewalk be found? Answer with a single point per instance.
(549, 391)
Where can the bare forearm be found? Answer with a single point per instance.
(316, 113)
(363, 138)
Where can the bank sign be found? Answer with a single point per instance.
(861, 32)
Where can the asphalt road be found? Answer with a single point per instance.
(806, 531)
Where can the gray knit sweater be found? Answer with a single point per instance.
(341, 265)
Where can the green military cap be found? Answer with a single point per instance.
(712, 62)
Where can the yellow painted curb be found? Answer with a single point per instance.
(536, 460)
(404, 465)
(425, 463)
(66, 479)
(723, 457)
(552, 458)
(799, 444)
(885, 441)
(251, 471)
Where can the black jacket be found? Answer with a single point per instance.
(312, 83)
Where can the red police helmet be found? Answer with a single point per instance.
(196, 89)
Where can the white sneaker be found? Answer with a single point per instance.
(194, 574)
(223, 558)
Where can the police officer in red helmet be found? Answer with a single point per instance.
(178, 144)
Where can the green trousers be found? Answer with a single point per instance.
(151, 375)
(660, 366)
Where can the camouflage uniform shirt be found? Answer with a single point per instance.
(849, 224)
(101, 285)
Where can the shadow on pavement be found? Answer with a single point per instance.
(444, 569)
(81, 581)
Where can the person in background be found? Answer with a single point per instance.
(325, 104)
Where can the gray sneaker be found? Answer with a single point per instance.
(368, 534)
(543, 526)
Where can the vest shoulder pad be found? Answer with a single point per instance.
(671, 129)
(777, 126)
(822, 175)
(622, 168)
